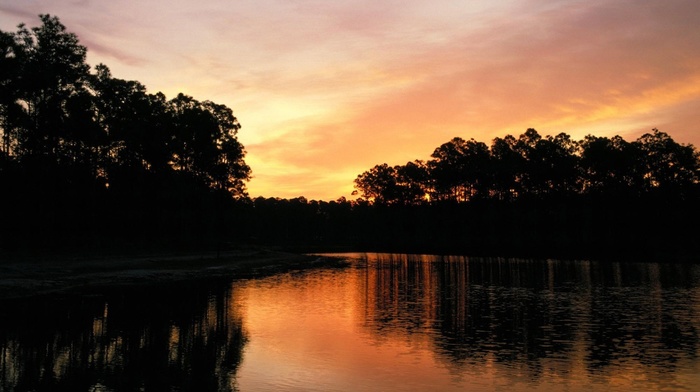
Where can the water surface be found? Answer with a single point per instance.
(387, 322)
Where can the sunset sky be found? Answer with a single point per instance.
(325, 90)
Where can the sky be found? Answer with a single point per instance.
(325, 90)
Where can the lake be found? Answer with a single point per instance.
(387, 322)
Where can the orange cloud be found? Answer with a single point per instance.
(575, 70)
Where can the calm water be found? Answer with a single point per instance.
(386, 323)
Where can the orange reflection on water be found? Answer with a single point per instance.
(396, 322)
(389, 322)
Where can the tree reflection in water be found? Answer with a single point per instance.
(160, 338)
(557, 318)
(389, 322)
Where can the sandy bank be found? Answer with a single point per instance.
(23, 277)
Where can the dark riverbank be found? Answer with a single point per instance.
(41, 274)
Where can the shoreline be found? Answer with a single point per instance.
(39, 274)
(24, 277)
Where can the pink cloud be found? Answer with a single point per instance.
(557, 70)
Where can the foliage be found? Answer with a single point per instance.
(83, 148)
(536, 167)
(538, 196)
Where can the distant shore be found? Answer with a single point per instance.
(35, 275)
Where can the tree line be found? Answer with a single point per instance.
(534, 167)
(535, 196)
(84, 152)
(88, 160)
(529, 196)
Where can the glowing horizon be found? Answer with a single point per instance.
(324, 91)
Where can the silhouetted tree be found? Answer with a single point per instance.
(668, 167)
(84, 153)
(10, 109)
(508, 167)
(413, 182)
(205, 145)
(609, 166)
(460, 170)
(549, 163)
(135, 122)
(379, 184)
(52, 80)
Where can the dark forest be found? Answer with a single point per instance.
(90, 162)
